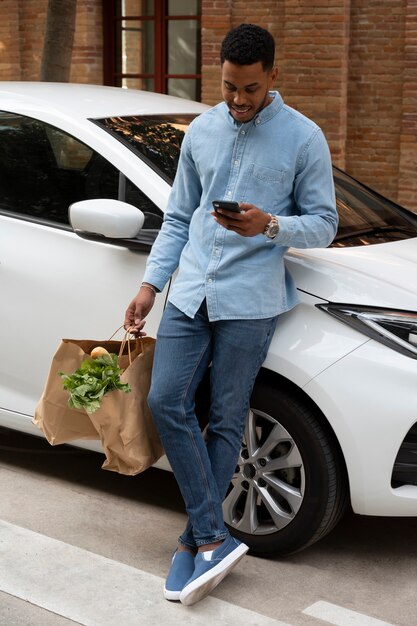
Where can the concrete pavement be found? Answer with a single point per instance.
(60, 507)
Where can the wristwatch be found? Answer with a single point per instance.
(272, 228)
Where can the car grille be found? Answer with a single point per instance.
(405, 466)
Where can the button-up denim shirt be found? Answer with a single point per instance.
(280, 162)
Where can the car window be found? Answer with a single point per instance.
(155, 139)
(43, 170)
(367, 218)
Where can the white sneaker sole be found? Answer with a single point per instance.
(171, 595)
(204, 584)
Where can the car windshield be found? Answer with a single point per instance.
(156, 140)
(365, 217)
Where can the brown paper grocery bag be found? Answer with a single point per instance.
(124, 422)
(53, 417)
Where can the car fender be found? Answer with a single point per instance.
(370, 419)
(307, 341)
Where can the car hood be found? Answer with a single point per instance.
(377, 275)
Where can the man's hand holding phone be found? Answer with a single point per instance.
(242, 218)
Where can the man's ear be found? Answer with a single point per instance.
(274, 73)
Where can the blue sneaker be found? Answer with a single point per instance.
(210, 568)
(182, 567)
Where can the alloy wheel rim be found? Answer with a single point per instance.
(267, 489)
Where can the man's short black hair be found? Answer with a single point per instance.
(247, 44)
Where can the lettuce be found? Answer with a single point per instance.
(94, 378)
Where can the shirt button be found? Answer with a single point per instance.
(229, 193)
(210, 280)
(243, 132)
(236, 162)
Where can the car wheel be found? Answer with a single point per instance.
(290, 485)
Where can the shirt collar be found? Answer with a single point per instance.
(271, 110)
(265, 114)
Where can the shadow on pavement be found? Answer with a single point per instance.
(375, 539)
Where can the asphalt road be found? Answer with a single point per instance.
(85, 546)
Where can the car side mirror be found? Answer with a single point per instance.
(109, 218)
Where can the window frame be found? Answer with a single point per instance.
(146, 237)
(113, 18)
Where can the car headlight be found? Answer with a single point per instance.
(395, 329)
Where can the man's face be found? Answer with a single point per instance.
(245, 89)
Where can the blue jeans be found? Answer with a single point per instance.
(185, 348)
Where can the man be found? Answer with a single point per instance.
(231, 285)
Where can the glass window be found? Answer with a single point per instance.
(157, 140)
(136, 38)
(43, 170)
(183, 7)
(367, 218)
(182, 44)
(184, 88)
(153, 46)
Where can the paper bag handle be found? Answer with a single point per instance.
(124, 341)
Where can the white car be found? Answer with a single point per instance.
(334, 410)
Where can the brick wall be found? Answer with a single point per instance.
(351, 65)
(10, 63)
(32, 14)
(87, 55)
(407, 179)
(22, 31)
(375, 101)
(314, 65)
(216, 20)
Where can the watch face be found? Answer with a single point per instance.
(272, 231)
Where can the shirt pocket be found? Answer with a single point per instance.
(267, 174)
(264, 187)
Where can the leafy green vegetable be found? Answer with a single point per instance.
(94, 378)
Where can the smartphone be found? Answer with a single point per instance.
(227, 205)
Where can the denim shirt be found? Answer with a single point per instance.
(280, 162)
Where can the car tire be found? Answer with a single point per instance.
(290, 485)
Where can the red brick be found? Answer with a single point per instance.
(351, 65)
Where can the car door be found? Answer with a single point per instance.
(53, 283)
